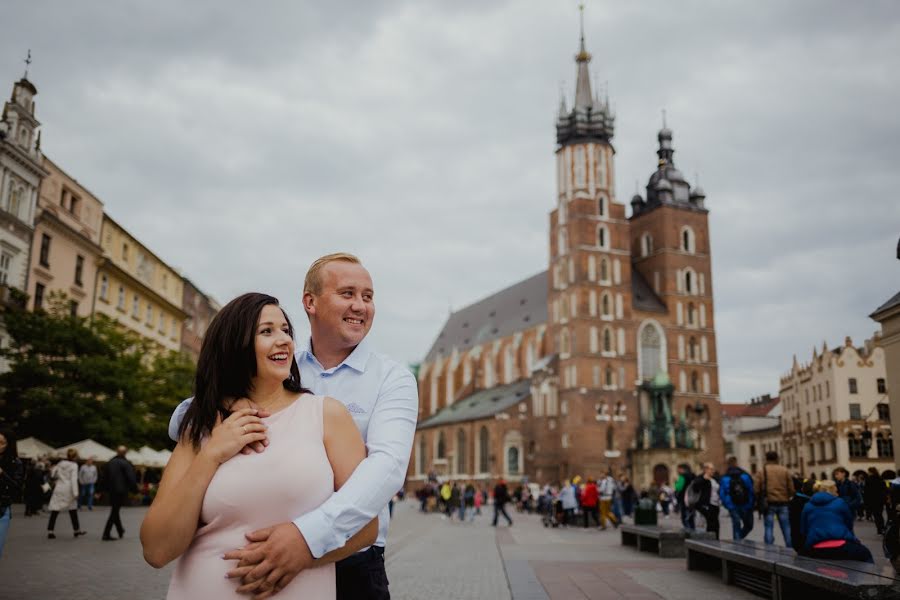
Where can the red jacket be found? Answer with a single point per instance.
(589, 495)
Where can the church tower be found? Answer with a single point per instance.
(589, 283)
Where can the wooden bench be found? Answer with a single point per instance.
(778, 573)
(667, 543)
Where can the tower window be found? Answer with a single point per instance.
(607, 340)
(695, 385)
(602, 237)
(601, 206)
(687, 240)
(646, 245)
(604, 270)
(688, 282)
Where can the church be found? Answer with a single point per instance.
(606, 360)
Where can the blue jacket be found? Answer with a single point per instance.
(725, 489)
(849, 493)
(826, 517)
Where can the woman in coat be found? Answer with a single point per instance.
(826, 524)
(65, 494)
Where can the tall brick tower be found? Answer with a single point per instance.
(590, 285)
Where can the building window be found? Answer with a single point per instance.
(45, 250)
(687, 239)
(149, 321)
(855, 447)
(650, 352)
(483, 456)
(104, 287)
(563, 241)
(753, 450)
(884, 412)
(882, 388)
(5, 262)
(605, 305)
(441, 446)
(855, 412)
(852, 382)
(162, 323)
(121, 304)
(885, 446)
(607, 340)
(136, 307)
(688, 282)
(39, 296)
(79, 270)
(601, 206)
(460, 451)
(174, 333)
(691, 311)
(604, 270)
(125, 252)
(602, 237)
(695, 386)
(512, 460)
(646, 244)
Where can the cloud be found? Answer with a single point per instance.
(240, 144)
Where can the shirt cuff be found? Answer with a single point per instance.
(318, 533)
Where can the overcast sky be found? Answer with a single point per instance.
(240, 141)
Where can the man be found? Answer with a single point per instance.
(848, 491)
(685, 478)
(875, 497)
(607, 490)
(774, 488)
(87, 479)
(736, 493)
(382, 396)
(501, 497)
(120, 480)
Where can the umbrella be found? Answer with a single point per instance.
(31, 447)
(89, 449)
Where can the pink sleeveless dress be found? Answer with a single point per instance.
(292, 477)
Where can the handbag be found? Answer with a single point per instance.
(45, 487)
(762, 503)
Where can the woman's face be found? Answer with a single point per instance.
(3, 443)
(274, 345)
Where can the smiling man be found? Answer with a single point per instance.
(382, 397)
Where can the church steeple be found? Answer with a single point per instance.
(589, 119)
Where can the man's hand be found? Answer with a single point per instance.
(274, 556)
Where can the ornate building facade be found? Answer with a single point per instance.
(199, 308)
(607, 360)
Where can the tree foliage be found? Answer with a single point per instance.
(72, 378)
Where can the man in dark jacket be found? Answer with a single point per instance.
(736, 493)
(874, 497)
(501, 497)
(120, 480)
(848, 491)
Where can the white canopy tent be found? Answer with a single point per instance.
(88, 449)
(31, 447)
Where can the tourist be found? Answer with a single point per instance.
(875, 497)
(685, 477)
(65, 493)
(36, 487)
(446, 492)
(211, 494)
(501, 498)
(569, 502)
(11, 476)
(827, 527)
(773, 488)
(736, 494)
(589, 502)
(120, 481)
(468, 505)
(708, 503)
(455, 505)
(477, 500)
(607, 490)
(847, 489)
(627, 494)
(665, 498)
(87, 478)
(795, 511)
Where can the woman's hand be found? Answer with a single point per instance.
(242, 427)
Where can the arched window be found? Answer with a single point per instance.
(441, 446)
(512, 460)
(687, 239)
(607, 340)
(604, 269)
(460, 451)
(608, 377)
(483, 456)
(564, 346)
(689, 281)
(692, 349)
(690, 313)
(602, 237)
(15, 200)
(646, 244)
(601, 206)
(610, 439)
(651, 351)
(695, 382)
(605, 305)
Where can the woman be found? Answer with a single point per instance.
(569, 502)
(709, 502)
(211, 494)
(65, 493)
(826, 524)
(10, 481)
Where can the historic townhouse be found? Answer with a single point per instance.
(199, 309)
(605, 360)
(836, 411)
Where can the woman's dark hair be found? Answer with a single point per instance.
(227, 364)
(11, 453)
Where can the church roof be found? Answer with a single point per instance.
(482, 404)
(520, 306)
(890, 304)
(642, 295)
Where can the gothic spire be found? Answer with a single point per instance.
(583, 96)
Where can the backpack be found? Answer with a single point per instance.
(737, 489)
(693, 492)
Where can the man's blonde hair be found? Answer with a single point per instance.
(313, 282)
(826, 485)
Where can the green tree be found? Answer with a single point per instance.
(72, 378)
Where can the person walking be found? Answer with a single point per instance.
(65, 493)
(456, 506)
(773, 488)
(87, 479)
(477, 500)
(11, 475)
(120, 480)
(875, 497)
(569, 502)
(468, 503)
(827, 527)
(709, 502)
(736, 495)
(627, 494)
(36, 488)
(685, 477)
(607, 490)
(589, 501)
(501, 498)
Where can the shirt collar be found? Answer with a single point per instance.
(356, 361)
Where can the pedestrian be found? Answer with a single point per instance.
(709, 502)
(773, 489)
(665, 498)
(65, 493)
(827, 527)
(456, 505)
(501, 498)
(685, 477)
(607, 490)
(875, 497)
(477, 500)
(87, 479)
(589, 501)
(569, 503)
(11, 476)
(468, 502)
(847, 489)
(36, 487)
(736, 495)
(628, 495)
(795, 512)
(120, 481)
(446, 493)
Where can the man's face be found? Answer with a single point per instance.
(345, 309)
(838, 475)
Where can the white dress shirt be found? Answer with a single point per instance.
(382, 396)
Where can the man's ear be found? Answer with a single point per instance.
(309, 303)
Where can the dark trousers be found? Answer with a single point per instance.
(73, 516)
(500, 509)
(116, 501)
(590, 511)
(711, 514)
(741, 523)
(849, 551)
(362, 576)
(877, 512)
